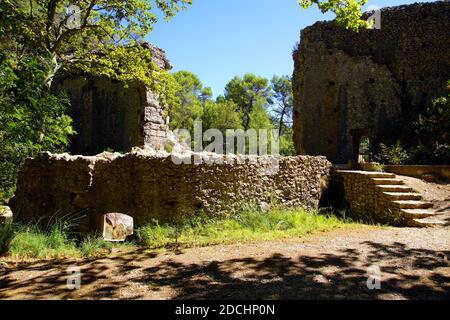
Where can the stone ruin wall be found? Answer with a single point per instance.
(368, 83)
(147, 185)
(108, 115)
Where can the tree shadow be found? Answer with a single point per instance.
(406, 273)
(340, 275)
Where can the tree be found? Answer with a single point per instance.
(283, 102)
(100, 36)
(192, 99)
(245, 92)
(348, 12)
(221, 115)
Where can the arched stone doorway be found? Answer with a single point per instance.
(361, 139)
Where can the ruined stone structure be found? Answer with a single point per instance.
(147, 185)
(350, 85)
(109, 115)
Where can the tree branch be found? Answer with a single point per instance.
(51, 13)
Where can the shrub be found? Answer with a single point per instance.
(392, 154)
(433, 130)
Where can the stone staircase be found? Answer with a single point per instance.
(383, 198)
(404, 199)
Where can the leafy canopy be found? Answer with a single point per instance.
(348, 12)
(99, 37)
(246, 92)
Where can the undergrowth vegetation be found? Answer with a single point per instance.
(247, 226)
(56, 240)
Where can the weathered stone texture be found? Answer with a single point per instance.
(357, 193)
(117, 227)
(109, 115)
(151, 186)
(368, 83)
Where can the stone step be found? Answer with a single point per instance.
(403, 195)
(428, 223)
(418, 213)
(411, 204)
(379, 175)
(387, 181)
(395, 188)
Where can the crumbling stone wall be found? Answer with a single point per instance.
(148, 185)
(348, 85)
(109, 115)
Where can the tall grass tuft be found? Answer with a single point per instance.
(34, 242)
(93, 245)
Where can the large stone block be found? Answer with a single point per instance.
(116, 227)
(5, 214)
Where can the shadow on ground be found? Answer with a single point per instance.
(406, 274)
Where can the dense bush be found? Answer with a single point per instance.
(433, 131)
(394, 154)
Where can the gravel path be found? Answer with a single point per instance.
(414, 264)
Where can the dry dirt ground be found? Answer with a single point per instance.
(414, 264)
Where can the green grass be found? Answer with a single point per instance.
(55, 242)
(32, 242)
(248, 226)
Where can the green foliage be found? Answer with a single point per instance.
(287, 147)
(93, 245)
(31, 118)
(259, 118)
(379, 167)
(54, 241)
(394, 154)
(100, 37)
(222, 116)
(129, 64)
(348, 12)
(433, 130)
(247, 104)
(192, 97)
(283, 102)
(33, 242)
(246, 226)
(246, 92)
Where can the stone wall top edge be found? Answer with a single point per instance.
(145, 154)
(393, 12)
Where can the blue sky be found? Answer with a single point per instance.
(219, 39)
